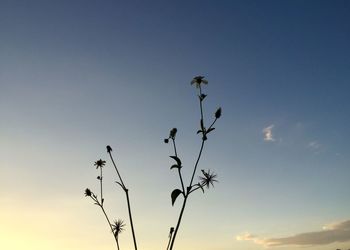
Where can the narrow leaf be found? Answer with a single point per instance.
(175, 166)
(178, 161)
(199, 131)
(174, 195)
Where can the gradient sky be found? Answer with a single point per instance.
(78, 75)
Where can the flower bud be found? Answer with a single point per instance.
(218, 113)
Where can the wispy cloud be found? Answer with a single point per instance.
(337, 232)
(268, 136)
(314, 145)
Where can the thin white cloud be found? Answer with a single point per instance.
(314, 145)
(268, 136)
(337, 232)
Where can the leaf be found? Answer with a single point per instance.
(209, 130)
(175, 166)
(174, 195)
(199, 131)
(178, 161)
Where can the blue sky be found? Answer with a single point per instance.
(78, 75)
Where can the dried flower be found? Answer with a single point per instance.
(209, 178)
(218, 113)
(100, 163)
(173, 133)
(88, 192)
(198, 80)
(109, 149)
(118, 227)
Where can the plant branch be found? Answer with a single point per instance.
(197, 161)
(198, 187)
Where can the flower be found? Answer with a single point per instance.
(118, 227)
(209, 178)
(198, 80)
(100, 163)
(218, 113)
(88, 192)
(109, 149)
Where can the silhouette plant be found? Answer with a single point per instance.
(206, 180)
(99, 202)
(117, 228)
(118, 225)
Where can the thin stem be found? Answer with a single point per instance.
(197, 161)
(170, 237)
(101, 186)
(105, 214)
(192, 190)
(178, 222)
(130, 217)
(127, 200)
(117, 242)
(202, 145)
(200, 102)
(116, 169)
(212, 124)
(179, 169)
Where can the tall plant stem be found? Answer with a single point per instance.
(178, 222)
(186, 194)
(101, 185)
(130, 217)
(127, 199)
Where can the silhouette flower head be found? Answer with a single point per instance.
(208, 178)
(100, 163)
(218, 113)
(118, 227)
(88, 192)
(198, 80)
(173, 133)
(109, 149)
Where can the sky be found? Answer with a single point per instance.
(77, 75)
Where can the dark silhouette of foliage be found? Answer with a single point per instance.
(207, 178)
